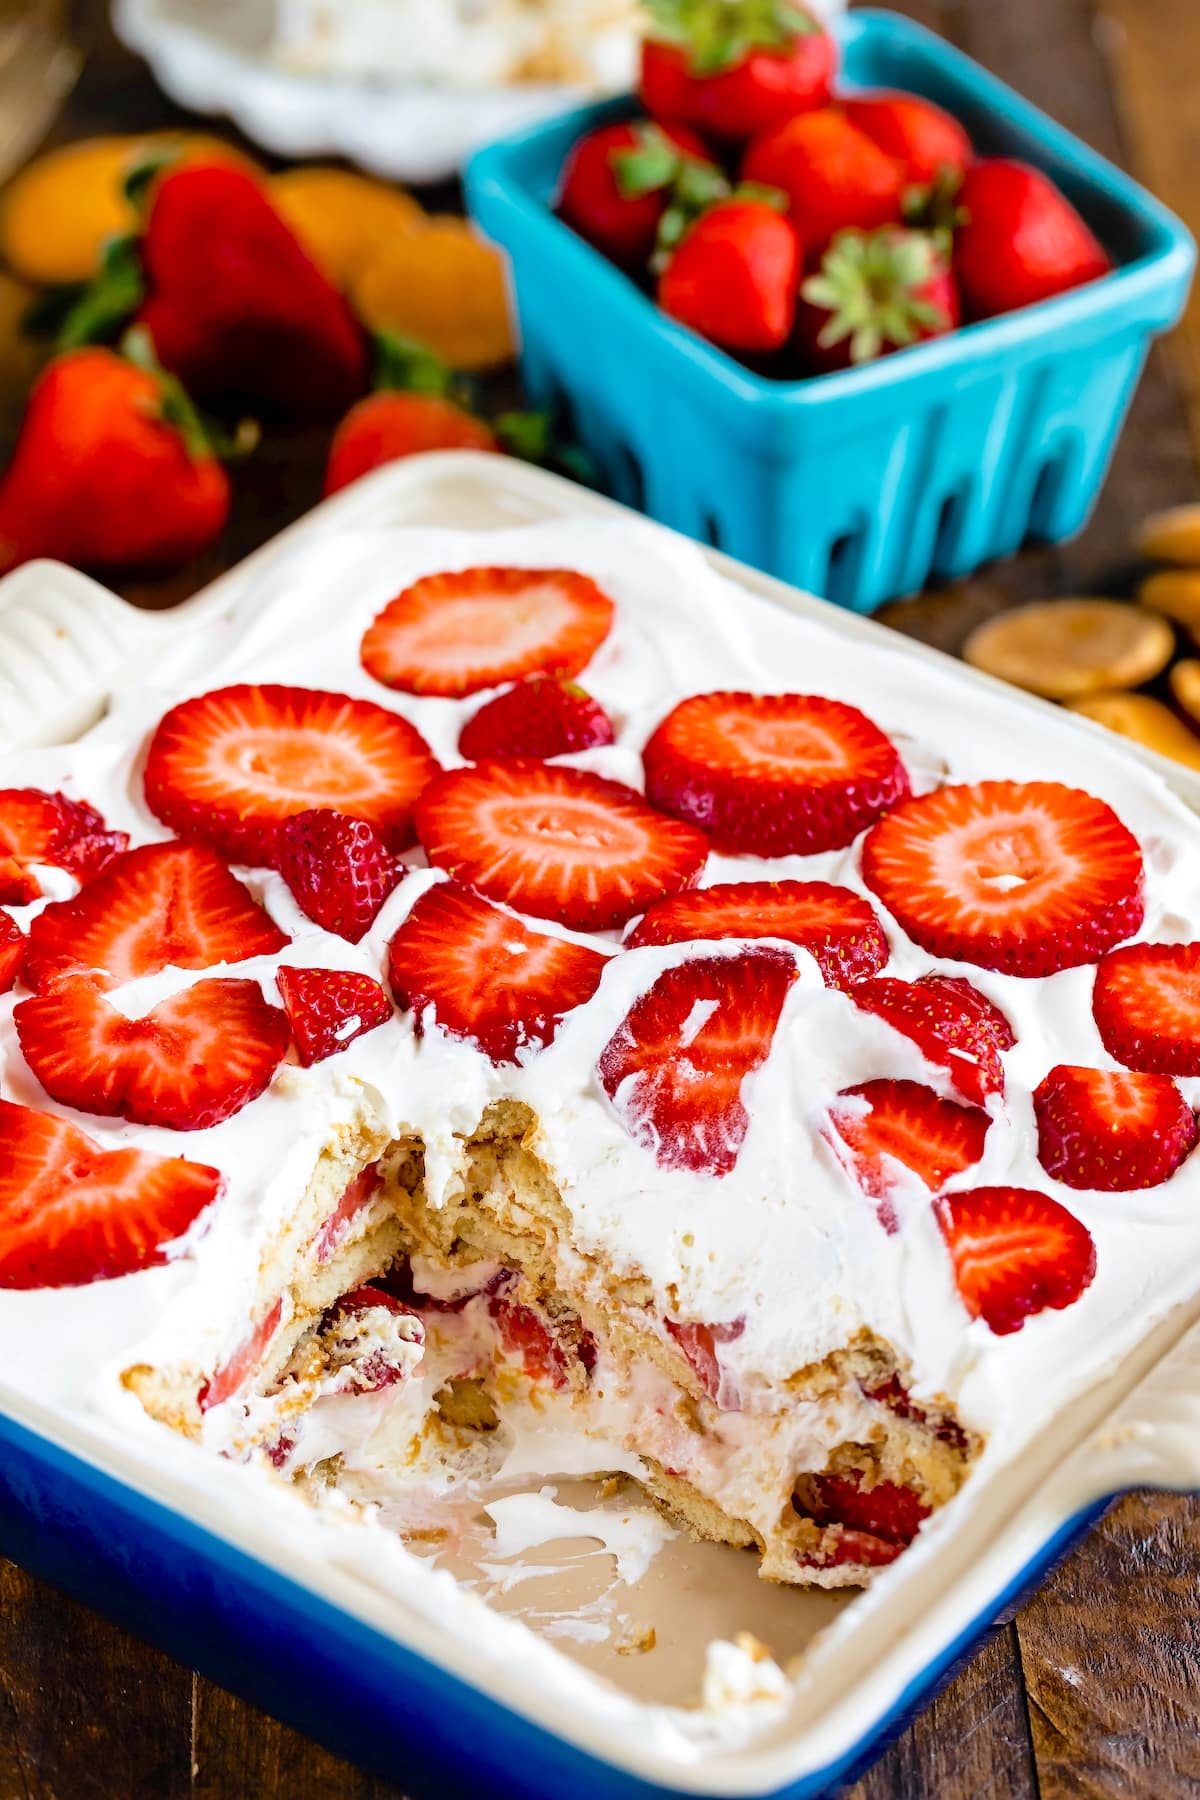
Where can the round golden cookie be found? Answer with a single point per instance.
(1146, 721)
(1175, 593)
(1172, 536)
(1184, 681)
(343, 218)
(1065, 648)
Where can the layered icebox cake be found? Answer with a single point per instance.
(507, 1007)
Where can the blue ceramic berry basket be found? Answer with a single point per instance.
(858, 486)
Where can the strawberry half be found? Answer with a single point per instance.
(886, 1510)
(190, 1062)
(556, 842)
(544, 716)
(328, 1008)
(12, 951)
(907, 1122)
(1100, 1128)
(674, 1067)
(951, 1023)
(485, 975)
(1024, 877)
(37, 827)
(1015, 1252)
(1146, 1003)
(162, 905)
(773, 774)
(73, 1213)
(468, 629)
(339, 870)
(228, 766)
(835, 925)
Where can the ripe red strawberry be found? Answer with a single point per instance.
(1015, 1252)
(885, 1510)
(556, 842)
(12, 951)
(37, 827)
(235, 305)
(243, 1363)
(733, 68)
(486, 976)
(542, 716)
(618, 182)
(328, 1008)
(161, 905)
(385, 427)
(881, 1120)
(526, 1337)
(857, 1549)
(733, 276)
(923, 138)
(875, 293)
(1025, 877)
(1021, 240)
(468, 629)
(773, 774)
(72, 1213)
(190, 1062)
(699, 1345)
(111, 471)
(339, 870)
(228, 766)
(834, 175)
(1146, 1003)
(1099, 1128)
(834, 924)
(951, 1023)
(675, 1065)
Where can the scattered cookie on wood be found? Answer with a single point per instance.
(1063, 649)
(1172, 536)
(1176, 594)
(1146, 721)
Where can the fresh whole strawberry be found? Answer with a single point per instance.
(328, 1008)
(835, 925)
(12, 951)
(1024, 877)
(234, 304)
(41, 828)
(72, 1213)
(734, 67)
(883, 1121)
(1109, 1130)
(772, 774)
(385, 427)
(111, 471)
(338, 868)
(1020, 240)
(875, 292)
(674, 1067)
(834, 176)
(952, 1024)
(543, 716)
(1015, 1252)
(923, 138)
(1146, 1003)
(618, 182)
(732, 277)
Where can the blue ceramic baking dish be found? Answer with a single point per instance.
(858, 486)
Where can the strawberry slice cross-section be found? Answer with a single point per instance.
(228, 766)
(837, 926)
(1112, 1131)
(1023, 877)
(1146, 1003)
(12, 951)
(72, 1212)
(951, 1023)
(773, 774)
(674, 1067)
(50, 829)
(162, 905)
(193, 1060)
(881, 1121)
(1015, 1252)
(556, 842)
(486, 976)
(456, 633)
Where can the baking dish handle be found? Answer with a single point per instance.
(1152, 1439)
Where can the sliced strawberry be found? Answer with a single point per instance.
(228, 766)
(363, 1352)
(857, 1549)
(37, 827)
(1025, 877)
(339, 870)
(556, 842)
(1015, 1252)
(699, 1344)
(951, 1022)
(773, 774)
(12, 951)
(1146, 1004)
(886, 1510)
(469, 629)
(879, 1121)
(328, 1008)
(526, 1337)
(834, 924)
(244, 1362)
(486, 976)
(356, 1197)
(190, 1062)
(162, 905)
(544, 716)
(72, 1212)
(1098, 1128)
(674, 1067)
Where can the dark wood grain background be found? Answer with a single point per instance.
(1093, 1690)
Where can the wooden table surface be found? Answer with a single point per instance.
(1093, 1689)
